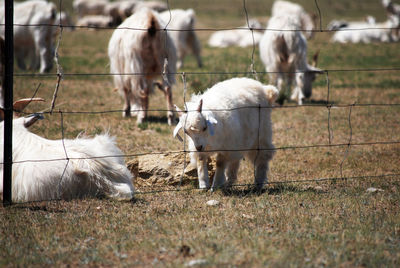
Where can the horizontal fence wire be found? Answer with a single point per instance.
(203, 29)
(329, 104)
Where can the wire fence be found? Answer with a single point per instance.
(328, 104)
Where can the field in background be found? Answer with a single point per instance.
(325, 223)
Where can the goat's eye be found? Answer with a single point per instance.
(205, 128)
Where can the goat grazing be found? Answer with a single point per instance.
(284, 54)
(183, 35)
(232, 120)
(138, 58)
(33, 40)
(294, 10)
(95, 166)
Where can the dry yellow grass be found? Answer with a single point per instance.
(308, 223)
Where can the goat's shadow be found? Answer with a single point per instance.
(276, 189)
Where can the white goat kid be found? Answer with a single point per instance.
(284, 54)
(232, 120)
(33, 39)
(95, 166)
(182, 22)
(142, 54)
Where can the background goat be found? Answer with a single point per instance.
(183, 36)
(141, 53)
(34, 43)
(284, 54)
(296, 11)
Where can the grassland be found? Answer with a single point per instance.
(307, 223)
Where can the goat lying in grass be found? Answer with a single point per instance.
(232, 120)
(41, 171)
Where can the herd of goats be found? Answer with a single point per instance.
(231, 120)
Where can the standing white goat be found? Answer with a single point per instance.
(33, 39)
(182, 22)
(284, 54)
(137, 51)
(232, 120)
(42, 172)
(296, 11)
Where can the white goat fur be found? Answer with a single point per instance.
(284, 54)
(85, 174)
(183, 36)
(297, 11)
(369, 31)
(95, 21)
(237, 37)
(89, 7)
(223, 122)
(142, 52)
(33, 43)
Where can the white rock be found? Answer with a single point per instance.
(199, 262)
(373, 190)
(212, 202)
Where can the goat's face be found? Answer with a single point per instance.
(308, 78)
(309, 75)
(197, 125)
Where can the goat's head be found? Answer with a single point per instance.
(198, 125)
(309, 75)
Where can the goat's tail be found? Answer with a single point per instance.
(271, 92)
(153, 26)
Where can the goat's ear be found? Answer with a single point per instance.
(315, 59)
(179, 111)
(176, 130)
(20, 105)
(211, 122)
(200, 107)
(1, 115)
(315, 70)
(29, 121)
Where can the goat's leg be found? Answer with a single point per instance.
(127, 104)
(231, 173)
(144, 103)
(195, 47)
(202, 172)
(219, 176)
(168, 96)
(261, 168)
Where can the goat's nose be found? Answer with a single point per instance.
(199, 148)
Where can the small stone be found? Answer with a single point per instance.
(198, 262)
(250, 217)
(212, 203)
(373, 190)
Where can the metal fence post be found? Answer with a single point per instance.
(8, 100)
